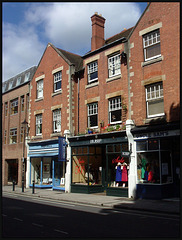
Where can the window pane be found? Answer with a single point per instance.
(155, 107)
(153, 144)
(166, 169)
(141, 145)
(148, 170)
(153, 50)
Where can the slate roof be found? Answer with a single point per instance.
(125, 33)
(73, 58)
(18, 80)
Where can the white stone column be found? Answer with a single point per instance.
(67, 134)
(133, 164)
(28, 165)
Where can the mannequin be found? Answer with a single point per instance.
(124, 174)
(118, 174)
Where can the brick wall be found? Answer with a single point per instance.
(166, 16)
(50, 61)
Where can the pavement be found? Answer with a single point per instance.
(169, 206)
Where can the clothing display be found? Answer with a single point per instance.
(118, 174)
(124, 174)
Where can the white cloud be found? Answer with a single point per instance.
(66, 25)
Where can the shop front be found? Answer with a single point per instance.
(100, 163)
(48, 164)
(158, 161)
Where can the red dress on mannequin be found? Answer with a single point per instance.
(124, 174)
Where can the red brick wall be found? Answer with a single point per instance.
(102, 89)
(168, 14)
(50, 61)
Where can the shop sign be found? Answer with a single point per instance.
(94, 141)
(157, 134)
(126, 153)
(62, 149)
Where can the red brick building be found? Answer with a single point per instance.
(52, 109)
(102, 113)
(154, 78)
(15, 109)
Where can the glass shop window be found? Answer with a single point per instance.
(36, 170)
(166, 168)
(59, 174)
(87, 167)
(118, 167)
(47, 171)
(79, 164)
(148, 167)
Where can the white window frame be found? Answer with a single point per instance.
(38, 124)
(57, 78)
(14, 104)
(148, 41)
(92, 109)
(92, 68)
(152, 95)
(114, 105)
(40, 86)
(13, 136)
(114, 65)
(57, 120)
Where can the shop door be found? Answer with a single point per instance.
(13, 170)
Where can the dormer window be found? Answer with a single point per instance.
(27, 75)
(92, 72)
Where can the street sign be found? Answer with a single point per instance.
(126, 154)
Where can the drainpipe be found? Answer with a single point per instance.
(131, 142)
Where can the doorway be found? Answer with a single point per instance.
(12, 170)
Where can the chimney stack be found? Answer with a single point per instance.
(97, 40)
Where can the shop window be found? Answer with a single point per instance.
(148, 170)
(13, 136)
(155, 100)
(114, 65)
(14, 106)
(115, 110)
(92, 72)
(87, 168)
(47, 171)
(118, 165)
(151, 43)
(59, 174)
(36, 170)
(39, 124)
(92, 115)
(57, 120)
(41, 171)
(154, 166)
(57, 81)
(40, 89)
(166, 167)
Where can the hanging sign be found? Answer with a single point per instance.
(62, 149)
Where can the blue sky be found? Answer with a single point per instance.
(27, 27)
